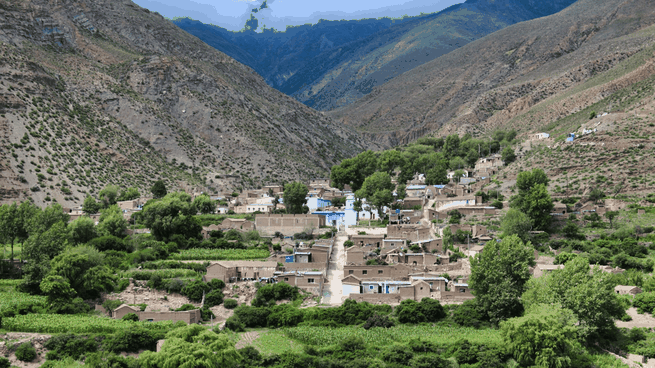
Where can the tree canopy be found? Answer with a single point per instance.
(158, 189)
(533, 198)
(499, 275)
(173, 214)
(295, 197)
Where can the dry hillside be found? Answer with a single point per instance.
(105, 92)
(531, 76)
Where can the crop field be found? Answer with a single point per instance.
(163, 273)
(322, 336)
(276, 342)
(10, 298)
(78, 324)
(220, 254)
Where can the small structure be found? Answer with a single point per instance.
(539, 136)
(192, 316)
(230, 271)
(627, 290)
(542, 269)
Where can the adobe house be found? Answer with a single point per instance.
(394, 243)
(275, 188)
(542, 269)
(310, 281)
(436, 215)
(417, 290)
(559, 209)
(413, 232)
(363, 240)
(192, 316)
(627, 290)
(478, 210)
(268, 224)
(322, 182)
(230, 271)
(379, 272)
(351, 285)
(436, 283)
(475, 250)
(461, 289)
(409, 203)
(237, 224)
(355, 255)
(430, 245)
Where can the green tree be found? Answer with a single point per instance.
(498, 277)
(437, 175)
(58, 291)
(14, 222)
(129, 194)
(109, 195)
(90, 205)
(377, 189)
(204, 204)
(82, 230)
(451, 145)
(173, 214)
(508, 155)
(295, 197)
(389, 161)
(596, 195)
(611, 215)
(457, 163)
(517, 223)
(589, 293)
(158, 189)
(82, 267)
(193, 346)
(545, 337)
(533, 198)
(112, 222)
(40, 248)
(401, 191)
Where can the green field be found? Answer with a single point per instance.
(220, 254)
(78, 324)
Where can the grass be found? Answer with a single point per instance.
(221, 254)
(276, 342)
(441, 333)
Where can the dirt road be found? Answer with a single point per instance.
(333, 291)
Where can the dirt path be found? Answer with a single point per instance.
(333, 291)
(247, 339)
(638, 320)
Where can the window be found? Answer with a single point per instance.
(311, 281)
(364, 272)
(371, 287)
(380, 272)
(286, 279)
(350, 272)
(462, 290)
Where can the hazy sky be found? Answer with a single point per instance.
(232, 14)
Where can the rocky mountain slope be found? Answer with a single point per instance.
(96, 92)
(332, 64)
(531, 76)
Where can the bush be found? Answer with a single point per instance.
(186, 307)
(4, 362)
(645, 302)
(252, 316)
(105, 243)
(131, 317)
(26, 352)
(216, 284)
(213, 298)
(132, 340)
(206, 314)
(468, 315)
(122, 285)
(230, 303)
(69, 345)
(234, 323)
(195, 290)
(377, 320)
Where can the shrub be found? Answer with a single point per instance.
(234, 323)
(206, 314)
(348, 243)
(69, 345)
(122, 285)
(4, 362)
(213, 298)
(645, 302)
(252, 316)
(131, 317)
(26, 352)
(105, 243)
(216, 284)
(467, 314)
(194, 290)
(230, 303)
(132, 340)
(186, 307)
(377, 320)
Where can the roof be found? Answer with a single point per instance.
(550, 267)
(229, 264)
(127, 306)
(430, 278)
(314, 273)
(624, 288)
(415, 187)
(461, 285)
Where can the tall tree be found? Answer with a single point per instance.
(516, 223)
(377, 189)
(90, 205)
(108, 195)
(158, 189)
(204, 204)
(112, 222)
(295, 197)
(129, 194)
(173, 214)
(533, 198)
(499, 275)
(14, 223)
(589, 293)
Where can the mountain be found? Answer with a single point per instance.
(332, 64)
(527, 76)
(96, 92)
